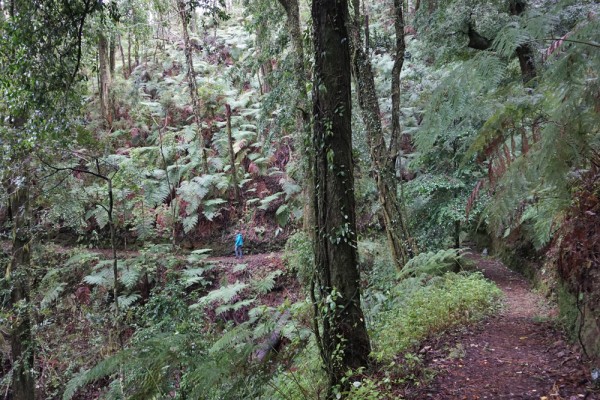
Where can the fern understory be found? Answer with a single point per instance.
(483, 155)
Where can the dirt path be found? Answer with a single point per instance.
(515, 355)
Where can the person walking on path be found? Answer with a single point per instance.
(239, 242)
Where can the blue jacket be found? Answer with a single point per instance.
(239, 241)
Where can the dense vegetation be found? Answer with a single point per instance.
(360, 148)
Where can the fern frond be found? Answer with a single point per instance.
(125, 301)
(264, 203)
(199, 255)
(52, 294)
(282, 215)
(266, 284)
(193, 276)
(190, 222)
(103, 277)
(223, 294)
(130, 276)
(234, 307)
(434, 263)
(239, 334)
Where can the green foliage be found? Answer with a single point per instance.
(304, 379)
(264, 285)
(568, 312)
(436, 263)
(299, 257)
(422, 309)
(223, 294)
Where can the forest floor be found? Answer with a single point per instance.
(258, 266)
(518, 354)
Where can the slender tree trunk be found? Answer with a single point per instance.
(292, 10)
(129, 53)
(191, 77)
(125, 72)
(104, 81)
(112, 54)
(21, 338)
(396, 70)
(136, 51)
(234, 177)
(382, 162)
(344, 342)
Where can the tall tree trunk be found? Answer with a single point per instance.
(191, 77)
(344, 342)
(21, 340)
(104, 81)
(234, 177)
(382, 162)
(292, 11)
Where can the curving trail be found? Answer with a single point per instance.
(515, 355)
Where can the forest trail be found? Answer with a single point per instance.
(517, 354)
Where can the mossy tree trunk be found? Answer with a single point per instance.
(382, 159)
(343, 338)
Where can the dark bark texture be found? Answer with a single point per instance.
(343, 340)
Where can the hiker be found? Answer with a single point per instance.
(239, 242)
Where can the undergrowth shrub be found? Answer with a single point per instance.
(304, 379)
(421, 308)
(299, 257)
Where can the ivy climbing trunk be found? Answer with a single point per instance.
(184, 16)
(292, 11)
(382, 160)
(343, 339)
(17, 275)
